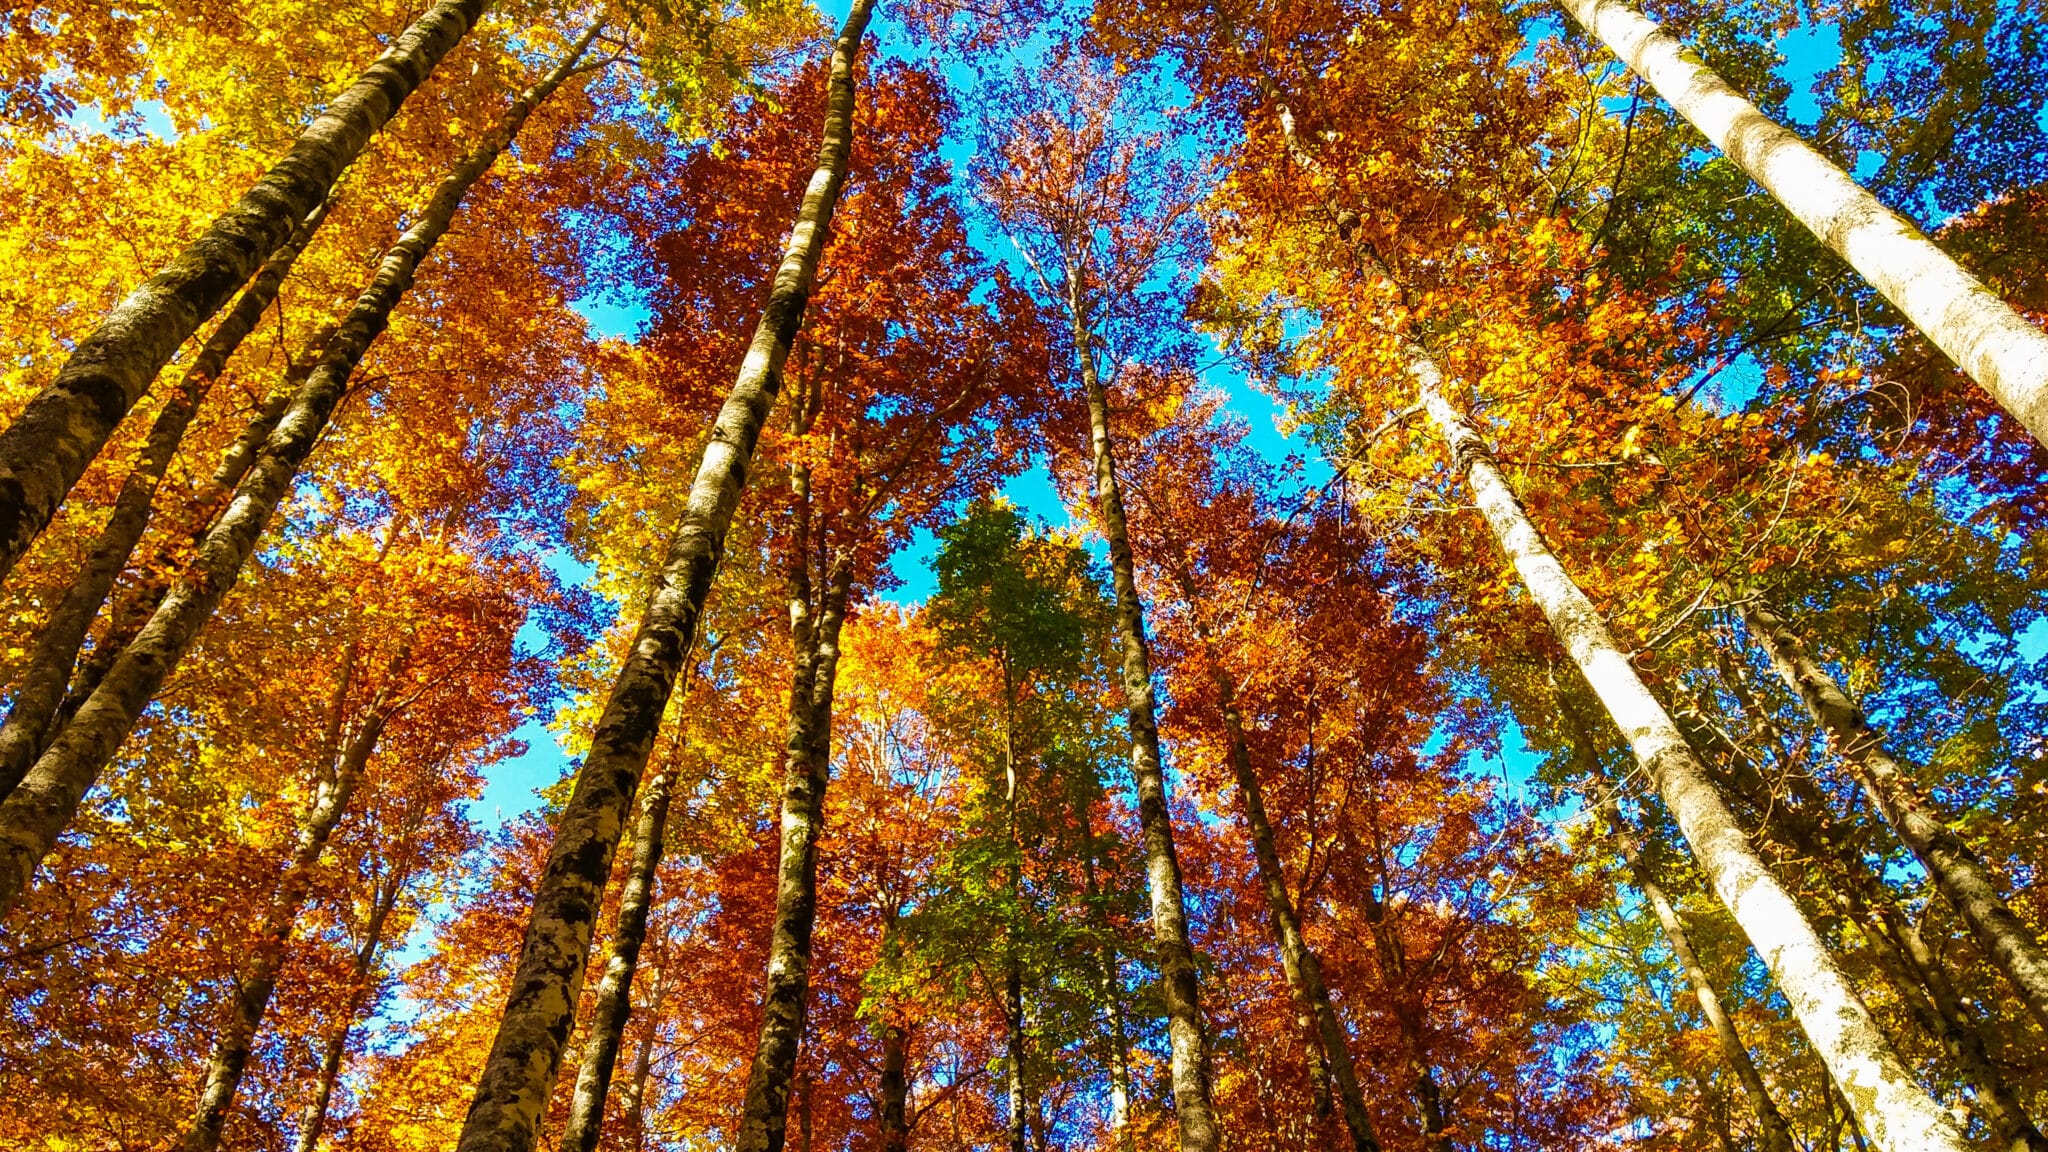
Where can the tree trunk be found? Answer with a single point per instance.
(614, 993)
(43, 804)
(1716, 1118)
(46, 449)
(521, 1068)
(1995, 345)
(1810, 827)
(1429, 1097)
(1180, 984)
(1893, 1109)
(1329, 1045)
(1962, 878)
(1013, 1053)
(313, 1120)
(895, 1110)
(1773, 1134)
(29, 722)
(133, 609)
(786, 992)
(1932, 1001)
(230, 1056)
(633, 1098)
(1118, 1061)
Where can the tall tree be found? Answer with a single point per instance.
(1101, 210)
(524, 1057)
(47, 448)
(41, 806)
(2000, 349)
(1956, 870)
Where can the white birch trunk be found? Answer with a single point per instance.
(2000, 349)
(1897, 1114)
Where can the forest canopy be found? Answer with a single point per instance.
(1026, 575)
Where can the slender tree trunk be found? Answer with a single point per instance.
(1773, 1134)
(1179, 982)
(1956, 870)
(43, 453)
(614, 992)
(633, 1098)
(232, 1046)
(895, 1110)
(786, 993)
(1118, 1061)
(1995, 345)
(1013, 1053)
(1932, 1002)
(1716, 1114)
(29, 722)
(313, 1120)
(1429, 1097)
(523, 1061)
(132, 610)
(43, 804)
(1328, 1044)
(1893, 1109)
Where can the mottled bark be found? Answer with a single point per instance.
(614, 991)
(131, 610)
(313, 1118)
(1931, 1000)
(1773, 1134)
(30, 721)
(1990, 341)
(1430, 1113)
(335, 786)
(1893, 1109)
(786, 990)
(43, 453)
(43, 804)
(1329, 1046)
(1014, 1055)
(633, 1097)
(1180, 984)
(521, 1068)
(894, 1114)
(1961, 876)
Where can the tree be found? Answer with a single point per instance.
(49, 445)
(1099, 212)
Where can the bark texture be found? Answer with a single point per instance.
(30, 721)
(1961, 876)
(1014, 1055)
(41, 806)
(1891, 1107)
(1995, 345)
(1179, 982)
(614, 992)
(785, 992)
(1773, 1134)
(894, 1118)
(335, 787)
(520, 1070)
(43, 453)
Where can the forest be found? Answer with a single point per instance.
(1024, 575)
